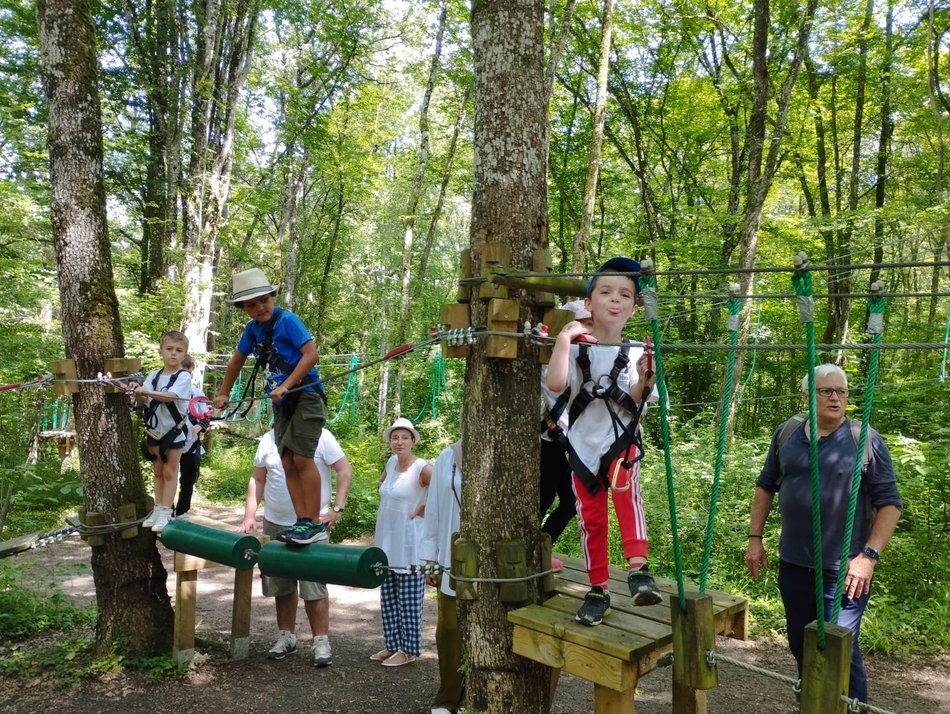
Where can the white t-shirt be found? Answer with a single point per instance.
(400, 494)
(278, 508)
(592, 435)
(442, 519)
(164, 421)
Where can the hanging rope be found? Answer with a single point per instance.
(350, 392)
(755, 341)
(801, 279)
(733, 327)
(647, 283)
(946, 338)
(876, 329)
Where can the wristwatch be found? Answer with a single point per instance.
(871, 553)
(338, 509)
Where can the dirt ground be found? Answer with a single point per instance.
(354, 684)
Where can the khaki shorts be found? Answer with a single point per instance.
(278, 587)
(301, 432)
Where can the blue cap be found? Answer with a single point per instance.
(616, 265)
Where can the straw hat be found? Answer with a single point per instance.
(402, 423)
(249, 284)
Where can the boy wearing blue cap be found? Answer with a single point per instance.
(606, 401)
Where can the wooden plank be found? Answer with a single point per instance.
(573, 658)
(186, 590)
(687, 700)
(608, 701)
(241, 614)
(693, 637)
(186, 563)
(628, 622)
(18, 545)
(607, 640)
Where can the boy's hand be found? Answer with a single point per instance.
(576, 332)
(278, 393)
(220, 401)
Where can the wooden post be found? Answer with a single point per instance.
(555, 319)
(455, 316)
(241, 613)
(547, 582)
(825, 673)
(95, 519)
(186, 590)
(694, 634)
(493, 254)
(502, 317)
(126, 514)
(120, 367)
(542, 264)
(465, 271)
(64, 369)
(511, 564)
(465, 564)
(610, 701)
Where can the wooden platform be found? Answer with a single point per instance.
(630, 642)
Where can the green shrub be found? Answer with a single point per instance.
(24, 612)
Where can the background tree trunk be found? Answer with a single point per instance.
(135, 613)
(509, 205)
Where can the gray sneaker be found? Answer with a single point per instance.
(321, 655)
(286, 644)
(305, 533)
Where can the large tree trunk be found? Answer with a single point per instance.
(581, 242)
(135, 614)
(500, 463)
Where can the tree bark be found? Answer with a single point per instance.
(135, 614)
(509, 205)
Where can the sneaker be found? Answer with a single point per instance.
(305, 533)
(182, 517)
(595, 608)
(643, 588)
(286, 644)
(399, 659)
(282, 535)
(161, 518)
(441, 710)
(149, 520)
(321, 655)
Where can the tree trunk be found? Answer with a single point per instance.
(509, 205)
(581, 240)
(135, 614)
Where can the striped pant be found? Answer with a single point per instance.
(592, 523)
(400, 601)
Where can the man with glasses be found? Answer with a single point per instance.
(787, 471)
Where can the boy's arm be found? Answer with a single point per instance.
(255, 490)
(235, 364)
(646, 378)
(559, 366)
(308, 358)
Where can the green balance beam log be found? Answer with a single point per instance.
(237, 550)
(350, 565)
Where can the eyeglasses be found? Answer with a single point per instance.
(826, 392)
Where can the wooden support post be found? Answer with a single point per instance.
(465, 271)
(95, 519)
(120, 367)
(493, 254)
(464, 564)
(542, 264)
(502, 317)
(825, 673)
(64, 369)
(126, 514)
(610, 701)
(241, 613)
(455, 316)
(548, 584)
(555, 320)
(186, 590)
(694, 634)
(512, 563)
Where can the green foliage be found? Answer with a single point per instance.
(24, 612)
(41, 492)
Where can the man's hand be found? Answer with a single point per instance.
(860, 573)
(330, 517)
(220, 401)
(755, 557)
(431, 578)
(248, 526)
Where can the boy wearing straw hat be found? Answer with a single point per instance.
(285, 349)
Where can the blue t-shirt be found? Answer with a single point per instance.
(289, 336)
(789, 473)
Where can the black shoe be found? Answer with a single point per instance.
(595, 608)
(643, 587)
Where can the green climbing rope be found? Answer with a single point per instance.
(755, 340)
(733, 326)
(647, 283)
(350, 393)
(875, 322)
(801, 280)
(946, 337)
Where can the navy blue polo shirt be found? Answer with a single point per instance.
(788, 473)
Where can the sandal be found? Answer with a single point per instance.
(399, 659)
(382, 655)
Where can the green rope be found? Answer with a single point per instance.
(755, 341)
(648, 282)
(349, 393)
(876, 307)
(733, 305)
(801, 279)
(946, 337)
(235, 395)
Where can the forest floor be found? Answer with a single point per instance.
(355, 684)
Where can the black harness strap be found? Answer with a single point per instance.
(151, 417)
(550, 425)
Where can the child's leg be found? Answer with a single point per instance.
(628, 505)
(303, 484)
(168, 483)
(592, 523)
(188, 476)
(297, 438)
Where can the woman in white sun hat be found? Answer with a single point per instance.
(403, 487)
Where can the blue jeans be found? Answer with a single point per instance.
(797, 586)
